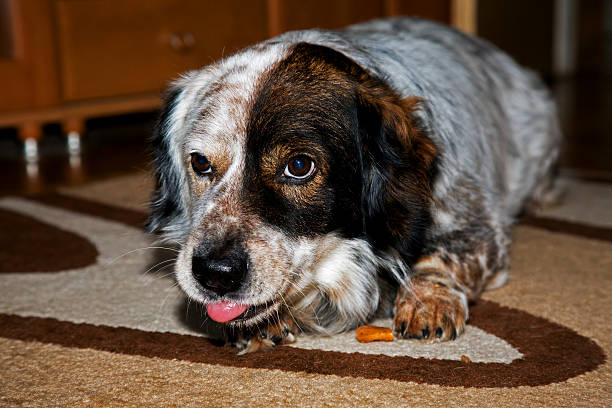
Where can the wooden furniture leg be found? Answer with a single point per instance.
(74, 128)
(30, 133)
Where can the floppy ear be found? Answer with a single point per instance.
(167, 206)
(398, 165)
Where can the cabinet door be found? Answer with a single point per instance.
(300, 14)
(28, 75)
(119, 47)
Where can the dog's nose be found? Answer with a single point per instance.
(221, 271)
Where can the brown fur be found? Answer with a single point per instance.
(429, 311)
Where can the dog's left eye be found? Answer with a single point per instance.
(200, 164)
(299, 167)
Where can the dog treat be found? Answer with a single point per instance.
(465, 359)
(366, 334)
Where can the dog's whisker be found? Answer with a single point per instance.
(277, 318)
(154, 273)
(203, 316)
(171, 290)
(288, 308)
(140, 250)
(149, 279)
(161, 265)
(187, 308)
(259, 330)
(297, 288)
(285, 304)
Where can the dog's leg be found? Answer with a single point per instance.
(282, 330)
(454, 270)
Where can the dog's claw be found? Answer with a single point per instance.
(402, 329)
(426, 332)
(273, 334)
(428, 305)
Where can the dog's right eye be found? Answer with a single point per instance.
(299, 168)
(200, 164)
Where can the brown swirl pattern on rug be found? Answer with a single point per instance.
(28, 245)
(552, 353)
(555, 354)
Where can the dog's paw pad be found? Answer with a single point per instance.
(430, 312)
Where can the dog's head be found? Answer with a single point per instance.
(291, 177)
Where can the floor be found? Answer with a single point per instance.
(111, 146)
(118, 145)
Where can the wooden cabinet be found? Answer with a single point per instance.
(28, 70)
(69, 60)
(122, 47)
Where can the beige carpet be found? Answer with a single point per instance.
(90, 317)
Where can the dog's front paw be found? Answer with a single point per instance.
(267, 336)
(429, 311)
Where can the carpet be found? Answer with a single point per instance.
(90, 316)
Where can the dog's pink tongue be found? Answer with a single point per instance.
(225, 311)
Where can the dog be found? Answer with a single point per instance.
(321, 179)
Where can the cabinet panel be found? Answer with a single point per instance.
(299, 14)
(28, 72)
(439, 10)
(118, 47)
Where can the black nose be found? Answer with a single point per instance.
(222, 270)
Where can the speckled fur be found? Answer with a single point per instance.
(482, 129)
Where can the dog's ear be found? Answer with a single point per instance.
(167, 206)
(398, 166)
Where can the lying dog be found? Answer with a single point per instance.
(322, 178)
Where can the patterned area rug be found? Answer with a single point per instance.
(90, 316)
